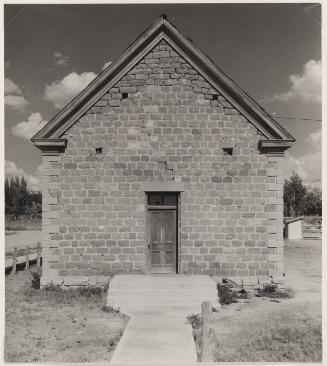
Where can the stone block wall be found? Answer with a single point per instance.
(275, 205)
(50, 216)
(162, 122)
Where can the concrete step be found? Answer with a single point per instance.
(161, 278)
(167, 292)
(160, 301)
(182, 309)
(158, 285)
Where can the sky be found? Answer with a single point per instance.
(272, 51)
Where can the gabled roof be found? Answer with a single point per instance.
(51, 133)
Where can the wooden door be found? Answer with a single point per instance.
(163, 241)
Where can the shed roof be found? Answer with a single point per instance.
(289, 220)
(51, 134)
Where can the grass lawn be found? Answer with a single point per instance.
(284, 333)
(23, 223)
(303, 256)
(57, 326)
(271, 330)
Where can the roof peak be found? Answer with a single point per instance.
(162, 28)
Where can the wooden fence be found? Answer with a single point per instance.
(207, 333)
(311, 231)
(23, 258)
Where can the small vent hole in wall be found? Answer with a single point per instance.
(124, 95)
(228, 150)
(215, 97)
(98, 150)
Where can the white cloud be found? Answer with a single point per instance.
(315, 137)
(27, 129)
(60, 59)
(16, 102)
(33, 183)
(11, 87)
(306, 86)
(60, 92)
(33, 180)
(308, 166)
(11, 170)
(13, 96)
(106, 65)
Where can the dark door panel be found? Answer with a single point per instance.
(163, 241)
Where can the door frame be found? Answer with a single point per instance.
(148, 232)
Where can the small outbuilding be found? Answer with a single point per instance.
(293, 228)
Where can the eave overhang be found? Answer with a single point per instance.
(50, 145)
(274, 146)
(162, 29)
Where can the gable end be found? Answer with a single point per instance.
(163, 30)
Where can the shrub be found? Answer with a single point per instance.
(89, 291)
(85, 291)
(113, 341)
(66, 295)
(226, 295)
(242, 294)
(52, 288)
(271, 290)
(270, 287)
(36, 277)
(194, 320)
(109, 309)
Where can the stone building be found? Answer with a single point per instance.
(162, 164)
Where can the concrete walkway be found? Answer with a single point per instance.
(155, 338)
(158, 305)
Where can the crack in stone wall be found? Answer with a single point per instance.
(66, 211)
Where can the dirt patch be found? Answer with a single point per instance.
(39, 328)
(21, 239)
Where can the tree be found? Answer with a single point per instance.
(7, 196)
(300, 199)
(34, 211)
(18, 198)
(312, 204)
(294, 193)
(34, 196)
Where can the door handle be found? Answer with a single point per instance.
(149, 246)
